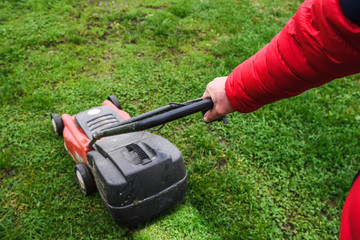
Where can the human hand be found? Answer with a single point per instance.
(216, 91)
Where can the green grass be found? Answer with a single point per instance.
(281, 172)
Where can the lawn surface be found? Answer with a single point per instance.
(281, 172)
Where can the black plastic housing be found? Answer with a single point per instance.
(139, 175)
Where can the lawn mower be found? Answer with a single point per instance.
(138, 174)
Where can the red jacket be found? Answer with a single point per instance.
(317, 45)
(350, 217)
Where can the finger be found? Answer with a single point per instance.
(206, 95)
(211, 115)
(206, 117)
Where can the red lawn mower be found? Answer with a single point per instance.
(138, 174)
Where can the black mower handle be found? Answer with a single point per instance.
(156, 117)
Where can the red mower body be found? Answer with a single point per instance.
(75, 140)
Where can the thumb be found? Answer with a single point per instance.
(211, 115)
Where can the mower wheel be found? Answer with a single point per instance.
(57, 124)
(84, 179)
(115, 101)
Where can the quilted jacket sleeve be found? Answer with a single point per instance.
(318, 44)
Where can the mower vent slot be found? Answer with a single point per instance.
(143, 157)
(97, 124)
